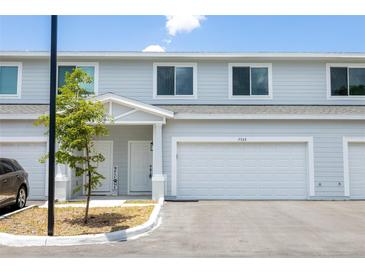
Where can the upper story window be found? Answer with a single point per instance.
(10, 79)
(174, 80)
(251, 81)
(346, 80)
(90, 68)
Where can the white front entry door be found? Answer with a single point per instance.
(106, 167)
(140, 166)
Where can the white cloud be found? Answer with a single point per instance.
(181, 23)
(167, 41)
(154, 48)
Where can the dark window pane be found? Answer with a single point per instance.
(184, 81)
(8, 80)
(62, 74)
(7, 167)
(2, 171)
(357, 81)
(339, 82)
(260, 81)
(241, 80)
(165, 80)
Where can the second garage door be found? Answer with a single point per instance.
(242, 170)
(356, 157)
(28, 155)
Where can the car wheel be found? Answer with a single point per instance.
(21, 198)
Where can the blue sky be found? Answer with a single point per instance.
(209, 33)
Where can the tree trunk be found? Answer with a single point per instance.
(88, 186)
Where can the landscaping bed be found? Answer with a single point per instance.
(69, 220)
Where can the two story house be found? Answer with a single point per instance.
(202, 125)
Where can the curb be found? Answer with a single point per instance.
(102, 238)
(16, 211)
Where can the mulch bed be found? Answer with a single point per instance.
(69, 220)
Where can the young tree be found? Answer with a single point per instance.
(78, 121)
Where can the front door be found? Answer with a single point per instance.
(105, 168)
(140, 167)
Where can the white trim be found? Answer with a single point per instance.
(243, 139)
(328, 81)
(85, 64)
(130, 142)
(18, 94)
(198, 116)
(111, 143)
(35, 139)
(204, 55)
(346, 169)
(109, 97)
(147, 123)
(249, 97)
(174, 64)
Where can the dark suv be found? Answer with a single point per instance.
(14, 187)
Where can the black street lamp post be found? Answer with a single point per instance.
(52, 126)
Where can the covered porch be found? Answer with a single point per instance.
(132, 151)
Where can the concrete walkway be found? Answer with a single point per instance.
(237, 229)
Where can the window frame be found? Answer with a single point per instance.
(175, 65)
(328, 81)
(250, 97)
(83, 64)
(18, 94)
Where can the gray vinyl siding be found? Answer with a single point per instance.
(35, 83)
(294, 82)
(327, 135)
(20, 128)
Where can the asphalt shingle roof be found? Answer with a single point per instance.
(216, 109)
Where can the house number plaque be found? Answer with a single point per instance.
(115, 180)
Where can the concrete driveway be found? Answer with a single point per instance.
(237, 229)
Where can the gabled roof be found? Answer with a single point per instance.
(111, 97)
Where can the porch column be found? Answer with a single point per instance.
(158, 178)
(62, 182)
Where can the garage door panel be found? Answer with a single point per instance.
(242, 170)
(356, 155)
(28, 155)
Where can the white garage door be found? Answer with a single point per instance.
(242, 170)
(28, 154)
(357, 170)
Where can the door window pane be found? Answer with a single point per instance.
(8, 80)
(241, 80)
(260, 81)
(357, 81)
(339, 81)
(184, 81)
(165, 80)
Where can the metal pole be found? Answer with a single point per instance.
(52, 126)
